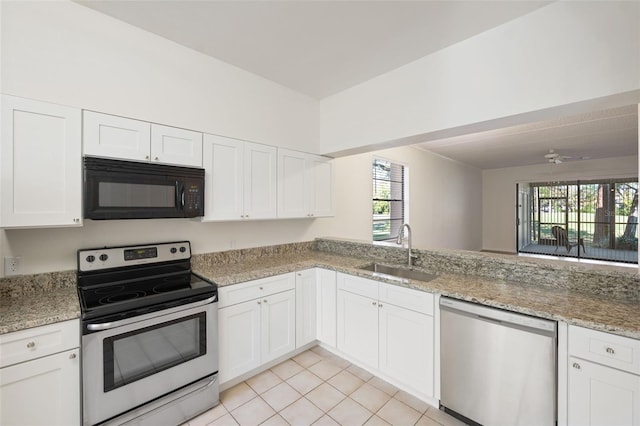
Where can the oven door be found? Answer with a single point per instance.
(147, 357)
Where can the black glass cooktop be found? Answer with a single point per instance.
(133, 293)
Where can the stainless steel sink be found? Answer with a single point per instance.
(399, 273)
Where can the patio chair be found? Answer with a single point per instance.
(562, 239)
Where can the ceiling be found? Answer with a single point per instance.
(315, 47)
(601, 134)
(320, 47)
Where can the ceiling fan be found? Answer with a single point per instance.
(553, 157)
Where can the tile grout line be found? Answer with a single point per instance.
(342, 366)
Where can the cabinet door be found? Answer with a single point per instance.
(224, 178)
(278, 325)
(111, 136)
(176, 146)
(40, 164)
(358, 327)
(293, 184)
(320, 181)
(239, 334)
(406, 347)
(327, 304)
(600, 395)
(259, 181)
(306, 291)
(45, 391)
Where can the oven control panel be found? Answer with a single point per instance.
(116, 257)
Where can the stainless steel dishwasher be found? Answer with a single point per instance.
(497, 367)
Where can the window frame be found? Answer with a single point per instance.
(391, 240)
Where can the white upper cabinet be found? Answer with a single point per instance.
(259, 181)
(321, 184)
(40, 164)
(115, 137)
(176, 146)
(305, 184)
(122, 138)
(240, 179)
(223, 164)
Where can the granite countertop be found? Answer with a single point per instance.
(595, 312)
(36, 308)
(32, 301)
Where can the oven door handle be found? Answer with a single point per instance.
(114, 324)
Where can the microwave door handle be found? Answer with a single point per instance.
(180, 195)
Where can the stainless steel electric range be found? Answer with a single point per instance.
(149, 335)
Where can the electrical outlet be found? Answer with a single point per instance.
(11, 266)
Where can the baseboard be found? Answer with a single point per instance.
(264, 367)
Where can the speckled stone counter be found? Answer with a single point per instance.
(593, 296)
(560, 303)
(34, 300)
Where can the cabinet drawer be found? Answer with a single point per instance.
(358, 285)
(238, 293)
(25, 345)
(416, 300)
(604, 348)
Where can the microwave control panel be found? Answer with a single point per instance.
(193, 199)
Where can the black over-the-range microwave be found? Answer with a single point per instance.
(116, 189)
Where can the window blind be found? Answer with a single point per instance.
(388, 199)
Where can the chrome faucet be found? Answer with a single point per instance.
(399, 241)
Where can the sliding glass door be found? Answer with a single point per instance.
(584, 219)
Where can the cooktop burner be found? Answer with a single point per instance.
(144, 279)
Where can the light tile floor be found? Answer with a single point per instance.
(318, 388)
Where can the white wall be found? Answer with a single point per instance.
(499, 192)
(544, 63)
(62, 52)
(445, 199)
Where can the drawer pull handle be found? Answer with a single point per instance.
(576, 366)
(373, 303)
(265, 300)
(610, 351)
(72, 356)
(380, 305)
(259, 302)
(261, 288)
(31, 345)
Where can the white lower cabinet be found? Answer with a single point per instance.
(600, 395)
(326, 309)
(256, 324)
(306, 306)
(239, 333)
(604, 379)
(358, 327)
(376, 328)
(278, 319)
(40, 376)
(406, 347)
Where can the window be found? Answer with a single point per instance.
(389, 186)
